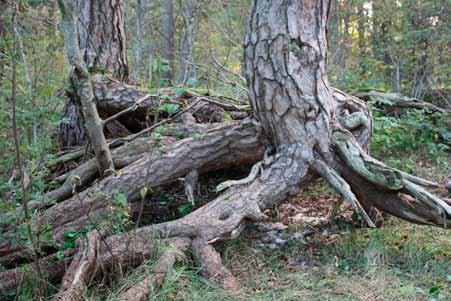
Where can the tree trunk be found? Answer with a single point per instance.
(101, 36)
(289, 92)
(167, 32)
(138, 43)
(190, 24)
(81, 83)
(101, 39)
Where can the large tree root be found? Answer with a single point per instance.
(236, 143)
(224, 218)
(141, 290)
(389, 189)
(119, 252)
(52, 268)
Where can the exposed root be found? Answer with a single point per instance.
(141, 290)
(255, 171)
(211, 265)
(424, 209)
(337, 182)
(401, 101)
(81, 269)
(51, 267)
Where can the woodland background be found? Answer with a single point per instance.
(385, 46)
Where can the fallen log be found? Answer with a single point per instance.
(118, 101)
(400, 101)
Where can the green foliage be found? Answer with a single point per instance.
(169, 108)
(398, 137)
(70, 237)
(185, 209)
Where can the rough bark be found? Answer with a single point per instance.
(81, 83)
(101, 36)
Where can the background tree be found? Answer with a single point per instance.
(102, 44)
(190, 27)
(167, 35)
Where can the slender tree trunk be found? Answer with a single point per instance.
(361, 36)
(167, 32)
(3, 10)
(190, 24)
(422, 69)
(138, 44)
(81, 82)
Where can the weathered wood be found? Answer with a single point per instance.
(141, 290)
(401, 101)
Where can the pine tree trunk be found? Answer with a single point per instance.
(101, 40)
(101, 36)
(286, 53)
(82, 86)
(308, 128)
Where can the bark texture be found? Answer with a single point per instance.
(101, 36)
(81, 83)
(289, 92)
(100, 39)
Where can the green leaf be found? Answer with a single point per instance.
(161, 130)
(180, 91)
(227, 117)
(170, 108)
(435, 290)
(60, 255)
(185, 209)
(121, 199)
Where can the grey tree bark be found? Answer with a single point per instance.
(101, 36)
(308, 130)
(167, 33)
(140, 7)
(190, 27)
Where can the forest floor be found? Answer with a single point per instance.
(339, 260)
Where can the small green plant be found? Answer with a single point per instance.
(169, 108)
